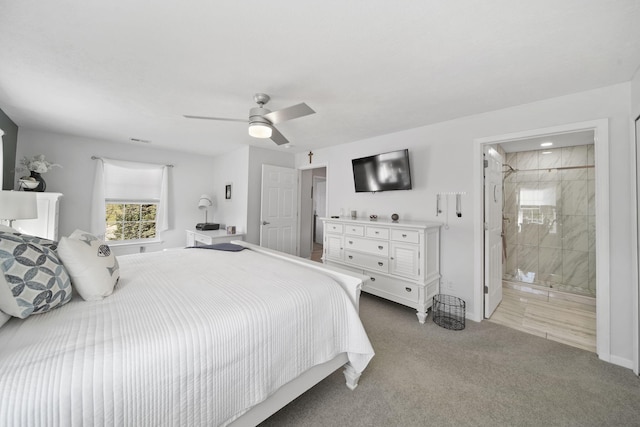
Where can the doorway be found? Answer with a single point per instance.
(601, 210)
(548, 238)
(313, 207)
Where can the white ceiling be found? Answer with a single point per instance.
(130, 69)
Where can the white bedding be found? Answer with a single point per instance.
(189, 337)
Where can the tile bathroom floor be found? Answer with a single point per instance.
(558, 316)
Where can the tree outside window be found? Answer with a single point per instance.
(130, 221)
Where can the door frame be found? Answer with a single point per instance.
(492, 284)
(601, 148)
(635, 167)
(304, 168)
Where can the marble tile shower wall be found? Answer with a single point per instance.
(549, 219)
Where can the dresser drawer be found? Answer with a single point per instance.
(409, 236)
(205, 240)
(375, 247)
(334, 228)
(354, 230)
(367, 261)
(378, 232)
(395, 290)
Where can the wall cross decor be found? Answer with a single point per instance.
(310, 156)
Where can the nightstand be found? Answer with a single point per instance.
(209, 237)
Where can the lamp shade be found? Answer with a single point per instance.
(205, 202)
(18, 205)
(260, 130)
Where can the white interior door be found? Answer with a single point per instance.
(279, 209)
(493, 230)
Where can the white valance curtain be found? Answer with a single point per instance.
(129, 181)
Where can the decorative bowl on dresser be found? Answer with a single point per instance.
(402, 259)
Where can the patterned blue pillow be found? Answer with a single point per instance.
(33, 239)
(32, 277)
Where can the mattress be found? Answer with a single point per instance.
(189, 337)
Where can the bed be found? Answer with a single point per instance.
(188, 337)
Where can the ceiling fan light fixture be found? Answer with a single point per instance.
(260, 130)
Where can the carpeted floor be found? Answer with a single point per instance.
(484, 375)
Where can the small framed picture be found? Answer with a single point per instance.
(227, 192)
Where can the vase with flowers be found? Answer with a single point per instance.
(36, 166)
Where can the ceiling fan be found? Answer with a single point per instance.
(261, 120)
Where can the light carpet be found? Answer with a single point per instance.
(484, 375)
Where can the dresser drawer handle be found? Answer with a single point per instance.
(407, 289)
(404, 235)
(377, 232)
(373, 279)
(350, 256)
(381, 247)
(350, 242)
(380, 264)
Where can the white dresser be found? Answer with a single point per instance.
(46, 225)
(210, 237)
(402, 259)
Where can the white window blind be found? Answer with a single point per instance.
(132, 181)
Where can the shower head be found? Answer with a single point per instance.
(507, 172)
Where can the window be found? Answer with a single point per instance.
(130, 221)
(129, 201)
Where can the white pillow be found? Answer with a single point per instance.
(4, 318)
(92, 266)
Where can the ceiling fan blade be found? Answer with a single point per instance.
(223, 119)
(277, 137)
(289, 113)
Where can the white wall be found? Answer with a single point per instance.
(635, 95)
(191, 176)
(442, 160)
(231, 168)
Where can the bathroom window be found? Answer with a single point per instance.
(538, 206)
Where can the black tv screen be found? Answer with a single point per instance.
(382, 172)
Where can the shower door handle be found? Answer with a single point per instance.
(495, 199)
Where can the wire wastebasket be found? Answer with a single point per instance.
(448, 311)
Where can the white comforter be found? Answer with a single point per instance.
(189, 337)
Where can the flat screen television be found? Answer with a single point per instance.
(382, 172)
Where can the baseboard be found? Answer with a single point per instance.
(620, 361)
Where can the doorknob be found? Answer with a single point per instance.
(265, 223)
